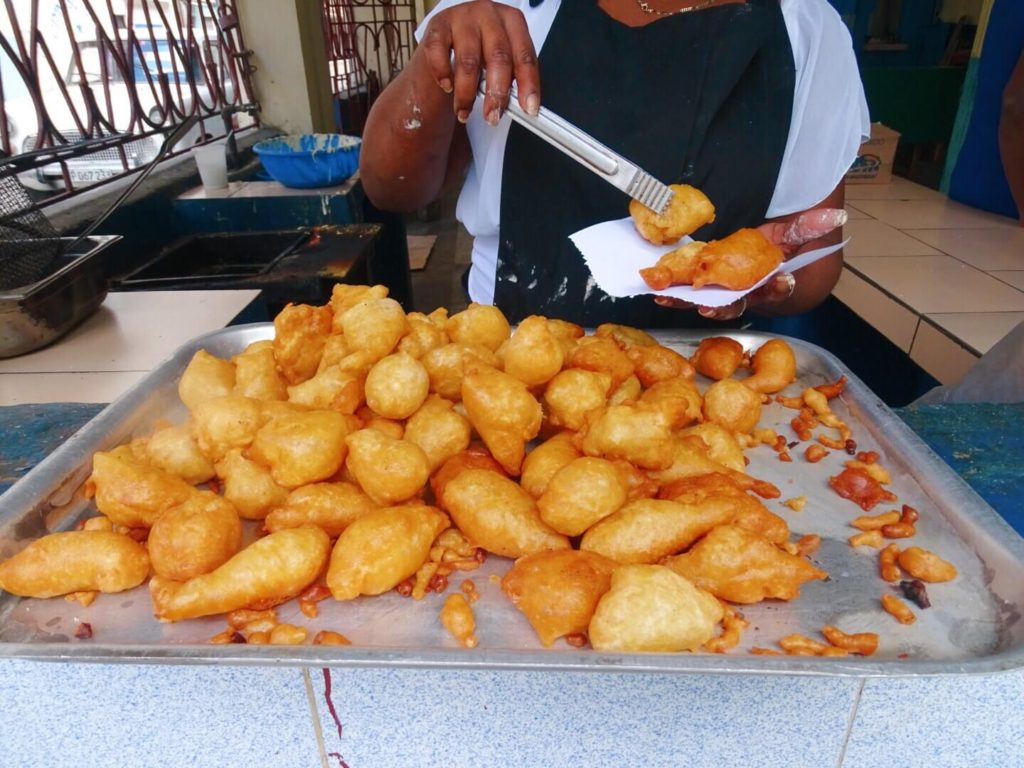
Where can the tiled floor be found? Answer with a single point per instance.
(942, 281)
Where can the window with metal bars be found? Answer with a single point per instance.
(88, 88)
(368, 43)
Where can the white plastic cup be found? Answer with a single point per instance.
(212, 164)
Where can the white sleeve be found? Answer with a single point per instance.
(830, 114)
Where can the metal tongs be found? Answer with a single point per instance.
(592, 154)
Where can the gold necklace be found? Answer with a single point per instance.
(646, 8)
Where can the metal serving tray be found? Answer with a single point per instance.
(973, 625)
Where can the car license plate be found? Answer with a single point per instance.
(83, 175)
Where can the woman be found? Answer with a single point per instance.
(758, 104)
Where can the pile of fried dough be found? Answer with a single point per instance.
(374, 447)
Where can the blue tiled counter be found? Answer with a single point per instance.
(58, 714)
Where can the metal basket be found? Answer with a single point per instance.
(28, 242)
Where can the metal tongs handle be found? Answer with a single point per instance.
(592, 154)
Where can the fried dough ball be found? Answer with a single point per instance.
(543, 462)
(223, 423)
(426, 332)
(720, 499)
(639, 434)
(249, 486)
(381, 548)
(584, 491)
(482, 325)
(268, 572)
(256, 373)
(388, 470)
(594, 353)
(690, 458)
(743, 567)
(396, 386)
(498, 515)
(131, 493)
(205, 377)
(689, 210)
(647, 530)
(330, 506)
(174, 450)
(194, 537)
(439, 430)
(345, 296)
(723, 447)
(75, 561)
(533, 354)
(300, 332)
(627, 392)
(650, 608)
(657, 363)
(336, 350)
(373, 327)
(557, 590)
(625, 335)
(732, 405)
(567, 334)
(331, 388)
(774, 366)
(390, 427)
(718, 357)
(678, 399)
(448, 364)
(737, 262)
(573, 392)
(677, 267)
(504, 414)
(475, 456)
(302, 448)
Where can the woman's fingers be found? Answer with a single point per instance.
(471, 39)
(728, 312)
(808, 226)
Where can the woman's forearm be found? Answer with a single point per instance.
(412, 143)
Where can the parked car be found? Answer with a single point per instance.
(115, 101)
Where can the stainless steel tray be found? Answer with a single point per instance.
(973, 626)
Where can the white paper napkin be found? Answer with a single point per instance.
(615, 253)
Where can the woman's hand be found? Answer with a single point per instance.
(791, 236)
(466, 40)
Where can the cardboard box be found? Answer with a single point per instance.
(874, 160)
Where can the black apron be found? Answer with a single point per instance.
(702, 98)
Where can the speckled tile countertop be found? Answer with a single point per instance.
(58, 714)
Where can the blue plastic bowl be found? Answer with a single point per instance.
(311, 159)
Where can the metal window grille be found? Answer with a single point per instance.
(368, 43)
(88, 87)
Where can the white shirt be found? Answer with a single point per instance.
(829, 122)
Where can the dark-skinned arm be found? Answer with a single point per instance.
(1011, 135)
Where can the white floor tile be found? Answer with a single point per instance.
(1014, 278)
(987, 249)
(939, 722)
(869, 237)
(929, 284)
(886, 315)
(897, 189)
(932, 214)
(855, 213)
(942, 357)
(61, 715)
(980, 330)
(490, 718)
